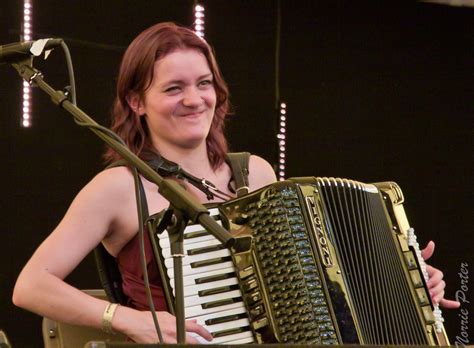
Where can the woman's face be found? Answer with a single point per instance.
(179, 105)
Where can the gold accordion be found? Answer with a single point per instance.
(332, 261)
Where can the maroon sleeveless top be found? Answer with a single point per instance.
(128, 260)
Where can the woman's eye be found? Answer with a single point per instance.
(205, 82)
(172, 89)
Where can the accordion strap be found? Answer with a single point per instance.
(239, 163)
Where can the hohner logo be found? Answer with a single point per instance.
(321, 236)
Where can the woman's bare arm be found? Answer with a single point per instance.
(40, 287)
(104, 209)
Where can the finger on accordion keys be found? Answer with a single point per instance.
(227, 326)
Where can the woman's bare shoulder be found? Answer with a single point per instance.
(114, 174)
(105, 195)
(260, 173)
(116, 181)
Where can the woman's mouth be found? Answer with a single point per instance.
(192, 114)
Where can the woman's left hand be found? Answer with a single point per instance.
(436, 284)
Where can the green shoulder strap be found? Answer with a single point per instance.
(239, 163)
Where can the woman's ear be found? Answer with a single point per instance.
(135, 104)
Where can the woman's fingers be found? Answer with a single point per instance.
(436, 286)
(449, 304)
(435, 276)
(193, 326)
(428, 251)
(437, 292)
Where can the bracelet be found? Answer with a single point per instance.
(108, 316)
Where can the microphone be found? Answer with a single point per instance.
(19, 50)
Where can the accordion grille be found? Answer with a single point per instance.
(364, 242)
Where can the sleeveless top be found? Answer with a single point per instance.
(128, 259)
(130, 267)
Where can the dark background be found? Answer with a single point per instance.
(375, 90)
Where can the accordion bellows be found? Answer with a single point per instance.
(330, 263)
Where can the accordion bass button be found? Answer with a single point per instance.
(428, 314)
(416, 278)
(254, 298)
(249, 284)
(259, 323)
(256, 311)
(422, 296)
(248, 271)
(410, 260)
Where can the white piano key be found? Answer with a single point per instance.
(187, 230)
(243, 337)
(165, 243)
(187, 260)
(166, 252)
(202, 318)
(227, 326)
(195, 311)
(190, 279)
(194, 289)
(197, 300)
(238, 338)
(201, 270)
(213, 212)
(249, 339)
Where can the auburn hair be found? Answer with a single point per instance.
(135, 77)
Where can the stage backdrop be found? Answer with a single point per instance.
(376, 91)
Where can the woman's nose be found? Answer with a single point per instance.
(192, 97)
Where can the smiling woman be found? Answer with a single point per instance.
(171, 101)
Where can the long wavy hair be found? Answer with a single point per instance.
(135, 77)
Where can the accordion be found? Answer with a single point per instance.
(332, 261)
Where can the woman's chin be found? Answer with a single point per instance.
(193, 142)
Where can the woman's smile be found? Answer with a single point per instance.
(179, 106)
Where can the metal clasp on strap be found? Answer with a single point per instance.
(242, 190)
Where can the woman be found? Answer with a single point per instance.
(172, 100)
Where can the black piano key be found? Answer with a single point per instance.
(218, 290)
(225, 319)
(222, 302)
(195, 234)
(202, 232)
(207, 249)
(209, 262)
(230, 331)
(215, 278)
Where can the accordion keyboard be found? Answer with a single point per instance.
(211, 289)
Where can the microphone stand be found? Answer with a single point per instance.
(185, 206)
